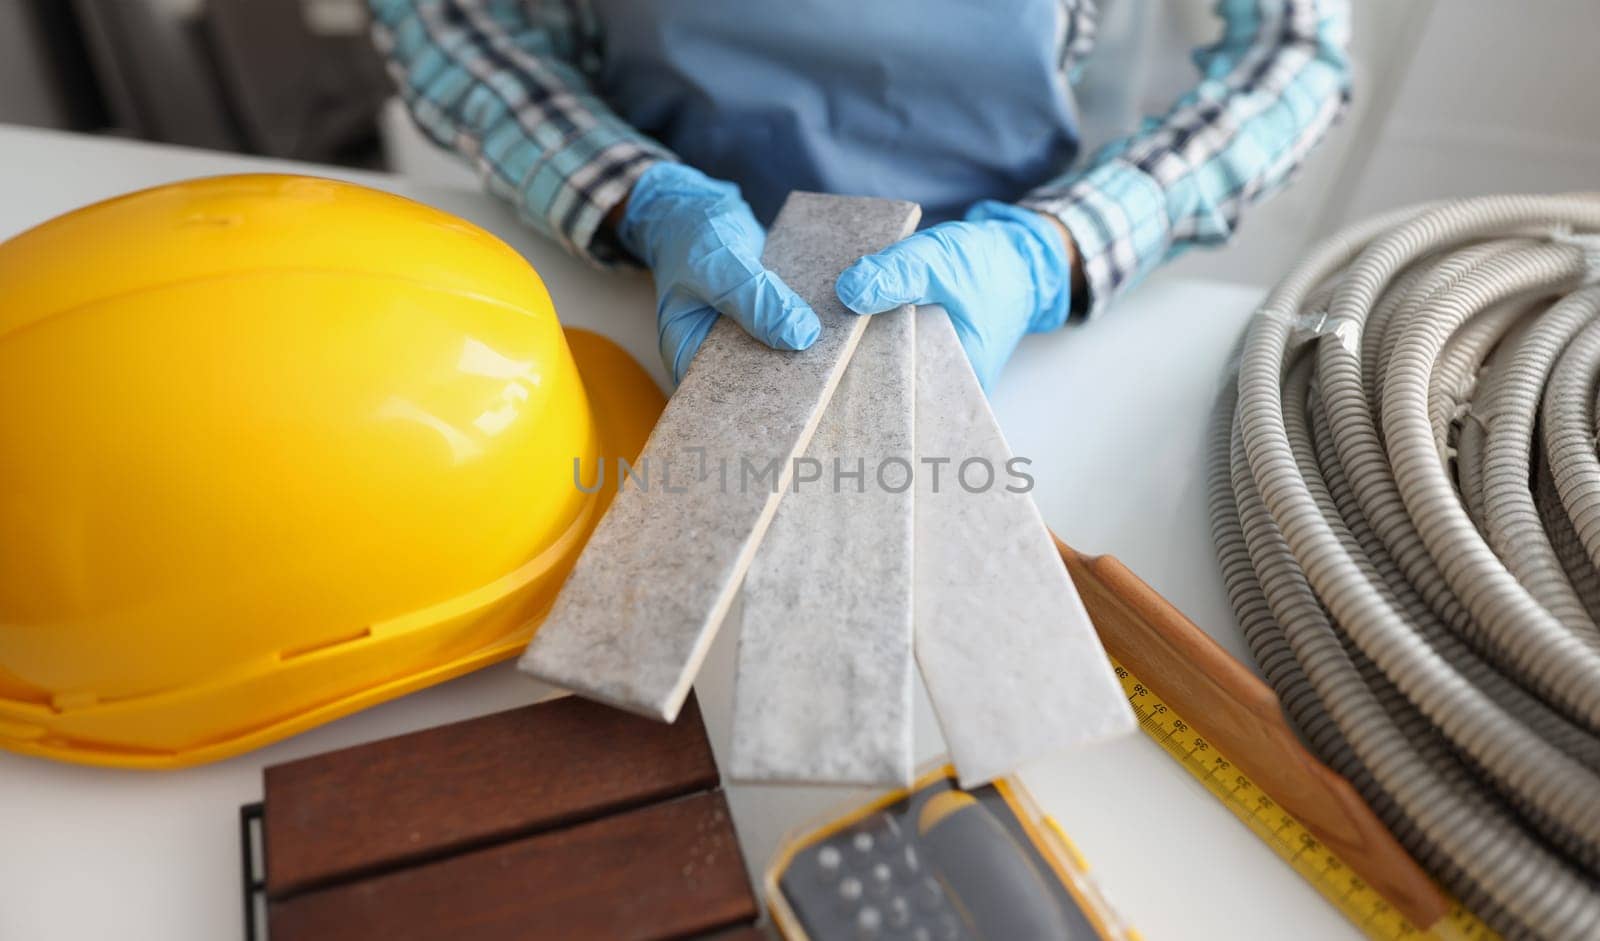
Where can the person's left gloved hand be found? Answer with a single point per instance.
(1003, 272)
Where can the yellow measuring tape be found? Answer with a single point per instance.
(1285, 835)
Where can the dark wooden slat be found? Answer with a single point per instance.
(438, 791)
(741, 933)
(671, 870)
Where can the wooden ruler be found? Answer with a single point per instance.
(1224, 726)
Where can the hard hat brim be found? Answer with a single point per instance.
(625, 403)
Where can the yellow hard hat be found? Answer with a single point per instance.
(274, 449)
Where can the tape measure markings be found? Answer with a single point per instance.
(1285, 835)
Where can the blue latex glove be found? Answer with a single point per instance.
(703, 246)
(1002, 273)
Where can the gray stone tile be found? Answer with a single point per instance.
(1010, 659)
(641, 607)
(824, 685)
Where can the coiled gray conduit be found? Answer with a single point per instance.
(1406, 505)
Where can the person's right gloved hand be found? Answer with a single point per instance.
(703, 246)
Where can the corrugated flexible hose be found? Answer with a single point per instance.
(1406, 505)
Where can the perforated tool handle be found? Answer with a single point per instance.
(1240, 715)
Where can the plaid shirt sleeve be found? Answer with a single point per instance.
(1270, 89)
(504, 83)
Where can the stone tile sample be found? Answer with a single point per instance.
(639, 611)
(824, 685)
(1010, 659)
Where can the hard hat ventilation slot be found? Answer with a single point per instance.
(292, 653)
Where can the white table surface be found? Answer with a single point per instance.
(1113, 416)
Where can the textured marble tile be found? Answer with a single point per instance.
(1011, 662)
(824, 685)
(641, 607)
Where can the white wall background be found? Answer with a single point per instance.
(1453, 98)
(1498, 97)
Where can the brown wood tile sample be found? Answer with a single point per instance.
(742, 933)
(440, 791)
(670, 870)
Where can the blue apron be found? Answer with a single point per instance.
(943, 102)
